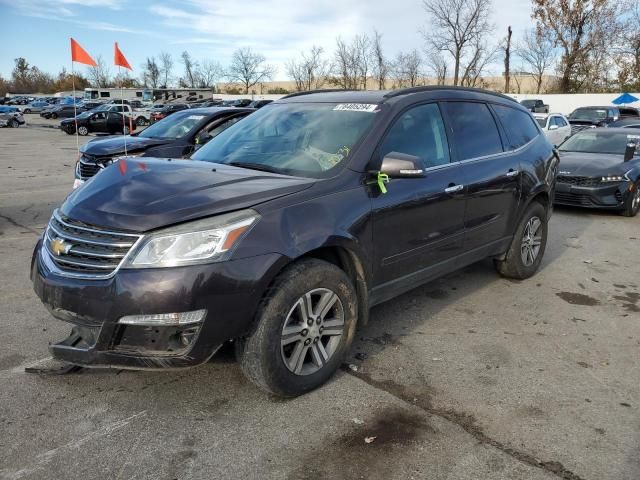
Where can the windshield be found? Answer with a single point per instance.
(599, 142)
(301, 139)
(86, 114)
(174, 126)
(590, 114)
(542, 122)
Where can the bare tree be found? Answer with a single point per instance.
(407, 68)
(362, 46)
(380, 63)
(100, 75)
(537, 54)
(249, 68)
(437, 66)
(457, 27)
(209, 73)
(166, 68)
(627, 52)
(351, 63)
(507, 60)
(151, 73)
(579, 28)
(480, 58)
(190, 78)
(310, 72)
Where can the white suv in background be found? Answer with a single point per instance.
(555, 126)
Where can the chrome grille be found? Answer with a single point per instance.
(84, 250)
(579, 181)
(577, 128)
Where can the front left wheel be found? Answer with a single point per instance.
(305, 326)
(13, 123)
(632, 205)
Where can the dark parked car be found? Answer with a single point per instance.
(535, 106)
(173, 137)
(241, 102)
(11, 117)
(287, 227)
(61, 111)
(259, 103)
(626, 112)
(167, 110)
(626, 122)
(591, 117)
(99, 122)
(599, 168)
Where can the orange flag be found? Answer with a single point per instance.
(80, 55)
(119, 58)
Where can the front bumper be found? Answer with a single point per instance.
(229, 291)
(606, 196)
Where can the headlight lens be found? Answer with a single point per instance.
(202, 241)
(614, 178)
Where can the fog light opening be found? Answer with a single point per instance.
(165, 319)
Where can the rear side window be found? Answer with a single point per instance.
(420, 132)
(559, 121)
(474, 129)
(519, 125)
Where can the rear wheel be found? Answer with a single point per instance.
(82, 130)
(632, 205)
(54, 116)
(305, 326)
(141, 121)
(13, 123)
(525, 253)
(26, 110)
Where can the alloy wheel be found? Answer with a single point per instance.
(312, 331)
(531, 241)
(83, 131)
(635, 203)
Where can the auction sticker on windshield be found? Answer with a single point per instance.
(356, 107)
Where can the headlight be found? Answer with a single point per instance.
(614, 178)
(202, 241)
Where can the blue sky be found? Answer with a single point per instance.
(39, 30)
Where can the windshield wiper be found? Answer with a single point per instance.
(254, 166)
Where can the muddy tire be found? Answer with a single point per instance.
(525, 253)
(305, 325)
(632, 205)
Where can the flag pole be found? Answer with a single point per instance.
(124, 136)
(75, 112)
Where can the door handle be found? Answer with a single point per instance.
(453, 188)
(512, 173)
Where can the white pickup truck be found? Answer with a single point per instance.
(141, 117)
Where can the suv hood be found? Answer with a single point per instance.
(141, 196)
(115, 145)
(593, 164)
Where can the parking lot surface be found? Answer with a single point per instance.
(469, 377)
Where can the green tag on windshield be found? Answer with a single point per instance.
(382, 179)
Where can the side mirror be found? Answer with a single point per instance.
(630, 151)
(553, 127)
(402, 165)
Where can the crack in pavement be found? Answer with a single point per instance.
(467, 423)
(19, 225)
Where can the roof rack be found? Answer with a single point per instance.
(329, 90)
(428, 88)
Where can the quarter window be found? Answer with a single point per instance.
(474, 129)
(519, 125)
(420, 132)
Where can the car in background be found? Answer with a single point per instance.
(259, 103)
(19, 100)
(212, 103)
(61, 111)
(11, 116)
(591, 117)
(600, 168)
(35, 107)
(167, 110)
(535, 106)
(628, 112)
(625, 122)
(99, 121)
(555, 126)
(240, 102)
(176, 136)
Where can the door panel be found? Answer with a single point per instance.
(416, 224)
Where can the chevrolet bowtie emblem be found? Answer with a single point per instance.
(60, 247)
